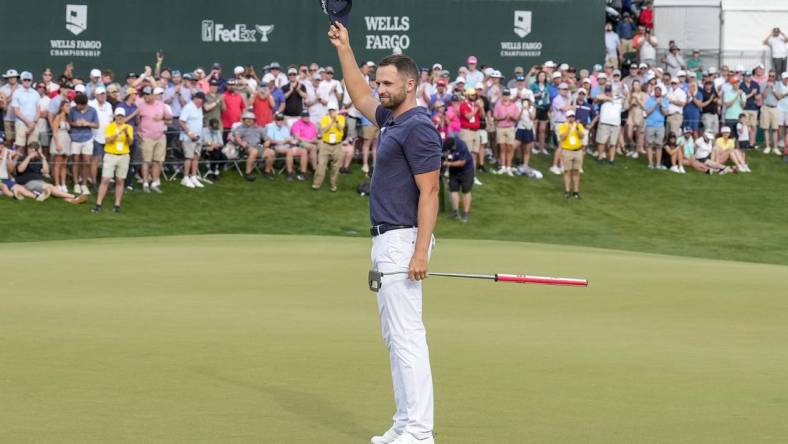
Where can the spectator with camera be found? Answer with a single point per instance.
(30, 172)
(777, 42)
(8, 185)
(332, 133)
(459, 162)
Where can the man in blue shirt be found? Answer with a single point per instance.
(656, 109)
(751, 90)
(403, 210)
(83, 120)
(458, 159)
(284, 143)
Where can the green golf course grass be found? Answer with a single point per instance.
(275, 339)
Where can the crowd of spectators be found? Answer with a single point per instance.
(675, 112)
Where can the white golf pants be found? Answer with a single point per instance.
(400, 307)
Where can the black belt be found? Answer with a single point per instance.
(377, 230)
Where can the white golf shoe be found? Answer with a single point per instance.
(407, 438)
(387, 437)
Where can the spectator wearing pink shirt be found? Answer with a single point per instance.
(153, 118)
(453, 114)
(506, 114)
(305, 132)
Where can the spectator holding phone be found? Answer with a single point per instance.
(459, 162)
(776, 41)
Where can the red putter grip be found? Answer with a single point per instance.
(520, 279)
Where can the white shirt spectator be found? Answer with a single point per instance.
(610, 112)
(105, 117)
(328, 91)
(42, 124)
(703, 148)
(474, 78)
(193, 118)
(676, 94)
(612, 42)
(778, 46)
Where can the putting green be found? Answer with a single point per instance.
(274, 339)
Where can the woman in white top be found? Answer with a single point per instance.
(60, 148)
(524, 137)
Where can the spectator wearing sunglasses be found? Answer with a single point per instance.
(25, 107)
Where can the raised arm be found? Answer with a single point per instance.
(358, 88)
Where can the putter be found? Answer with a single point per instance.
(376, 278)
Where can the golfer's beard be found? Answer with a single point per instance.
(396, 100)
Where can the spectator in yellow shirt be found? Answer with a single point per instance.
(570, 137)
(332, 132)
(725, 149)
(119, 135)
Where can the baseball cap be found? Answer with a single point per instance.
(570, 113)
(147, 90)
(563, 67)
(248, 115)
(597, 67)
(238, 70)
(506, 92)
(441, 82)
(712, 70)
(601, 76)
(455, 98)
(157, 91)
(176, 73)
(674, 80)
(616, 73)
(80, 88)
(370, 63)
(268, 78)
(784, 75)
(120, 111)
(459, 79)
(276, 65)
(642, 66)
(330, 69)
(497, 74)
(332, 105)
(709, 134)
(747, 73)
(214, 82)
(472, 59)
(216, 65)
(11, 73)
(437, 66)
(520, 78)
(199, 95)
(582, 90)
(279, 116)
(681, 73)
(445, 73)
(556, 75)
(549, 64)
(188, 76)
(687, 129)
(95, 73)
(53, 87)
(739, 68)
(338, 10)
(519, 70)
(488, 71)
(304, 112)
(292, 71)
(26, 75)
(130, 75)
(586, 80)
(100, 90)
(470, 91)
(725, 129)
(563, 85)
(130, 91)
(316, 77)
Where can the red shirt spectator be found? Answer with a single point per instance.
(263, 107)
(470, 107)
(234, 107)
(647, 17)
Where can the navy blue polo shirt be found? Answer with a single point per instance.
(750, 105)
(461, 152)
(408, 145)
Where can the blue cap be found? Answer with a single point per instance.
(520, 78)
(338, 10)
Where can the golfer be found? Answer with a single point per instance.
(403, 209)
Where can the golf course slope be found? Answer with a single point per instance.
(275, 339)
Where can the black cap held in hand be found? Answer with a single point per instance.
(338, 10)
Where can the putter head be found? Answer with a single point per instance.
(375, 280)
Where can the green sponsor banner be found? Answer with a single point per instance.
(124, 36)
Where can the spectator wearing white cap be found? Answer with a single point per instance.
(725, 150)
(474, 76)
(24, 105)
(104, 112)
(770, 114)
(154, 116)
(777, 42)
(704, 150)
(458, 86)
(677, 99)
(191, 125)
(570, 139)
(330, 90)
(6, 95)
(118, 136)
(93, 83)
(495, 91)
(609, 127)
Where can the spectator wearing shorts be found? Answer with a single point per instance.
(725, 150)
(734, 105)
(570, 139)
(770, 114)
(636, 102)
(782, 106)
(471, 114)
(751, 91)
(82, 119)
(8, 185)
(459, 161)
(506, 114)
(60, 147)
(561, 103)
(710, 108)
(212, 143)
(524, 134)
(190, 122)
(284, 143)
(656, 109)
(305, 134)
(24, 105)
(153, 115)
(743, 132)
(677, 99)
(609, 126)
(118, 137)
(30, 172)
(332, 131)
(104, 112)
(6, 96)
(254, 140)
